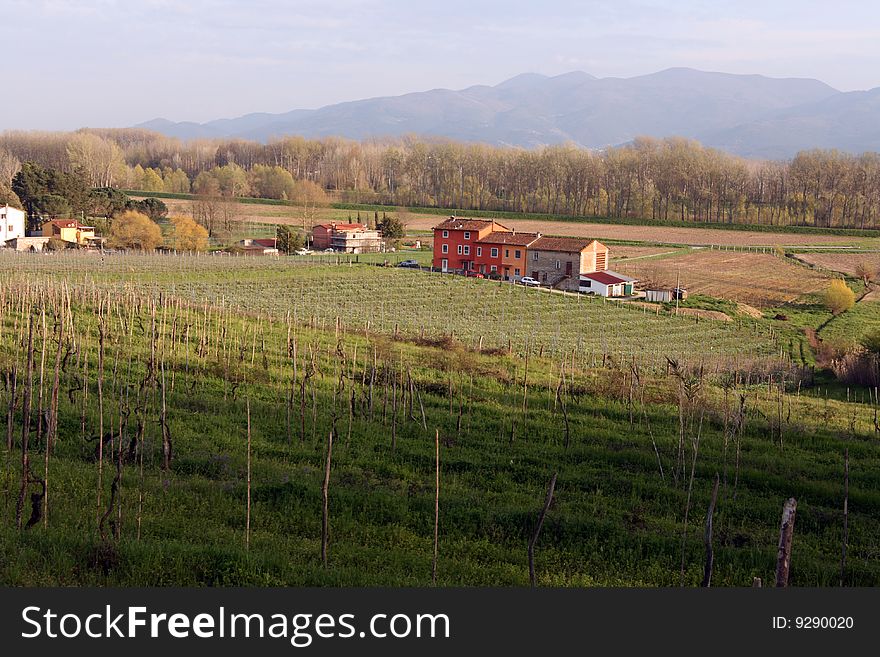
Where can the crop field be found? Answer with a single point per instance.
(663, 234)
(621, 252)
(417, 305)
(199, 421)
(424, 222)
(757, 279)
(845, 263)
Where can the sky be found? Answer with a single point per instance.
(116, 63)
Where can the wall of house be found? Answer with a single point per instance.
(511, 263)
(485, 260)
(455, 239)
(12, 223)
(542, 267)
(321, 237)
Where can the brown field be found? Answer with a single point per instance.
(292, 215)
(623, 252)
(845, 263)
(753, 278)
(662, 234)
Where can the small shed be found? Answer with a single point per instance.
(665, 295)
(607, 284)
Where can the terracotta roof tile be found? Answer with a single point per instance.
(565, 244)
(604, 277)
(514, 239)
(458, 223)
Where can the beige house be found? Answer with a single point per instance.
(12, 225)
(69, 230)
(560, 261)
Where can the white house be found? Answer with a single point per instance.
(606, 284)
(11, 223)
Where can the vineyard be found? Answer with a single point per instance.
(183, 420)
(418, 305)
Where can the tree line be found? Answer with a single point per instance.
(663, 180)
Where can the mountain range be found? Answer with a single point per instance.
(749, 115)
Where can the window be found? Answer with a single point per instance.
(493, 268)
(516, 272)
(586, 283)
(494, 252)
(517, 254)
(467, 235)
(445, 248)
(506, 253)
(467, 249)
(479, 251)
(445, 234)
(535, 255)
(558, 265)
(459, 249)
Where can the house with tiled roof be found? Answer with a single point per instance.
(505, 253)
(69, 230)
(346, 238)
(491, 249)
(558, 262)
(456, 244)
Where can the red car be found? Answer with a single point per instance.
(473, 274)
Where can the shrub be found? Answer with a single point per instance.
(838, 297)
(56, 244)
(866, 271)
(133, 230)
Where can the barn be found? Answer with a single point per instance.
(607, 284)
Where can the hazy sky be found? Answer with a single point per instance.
(70, 63)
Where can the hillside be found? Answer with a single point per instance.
(745, 114)
(189, 353)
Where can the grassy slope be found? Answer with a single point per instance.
(614, 522)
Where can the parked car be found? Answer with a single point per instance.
(473, 274)
(411, 264)
(528, 281)
(302, 252)
(329, 250)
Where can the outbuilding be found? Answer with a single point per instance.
(607, 284)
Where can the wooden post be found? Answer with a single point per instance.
(710, 556)
(247, 531)
(325, 510)
(783, 555)
(845, 514)
(436, 504)
(547, 501)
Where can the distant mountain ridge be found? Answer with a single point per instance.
(750, 115)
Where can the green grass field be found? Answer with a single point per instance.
(215, 335)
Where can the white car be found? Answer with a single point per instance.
(302, 252)
(528, 281)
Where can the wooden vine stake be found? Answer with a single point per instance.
(783, 555)
(247, 530)
(325, 511)
(710, 555)
(845, 514)
(436, 504)
(547, 502)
